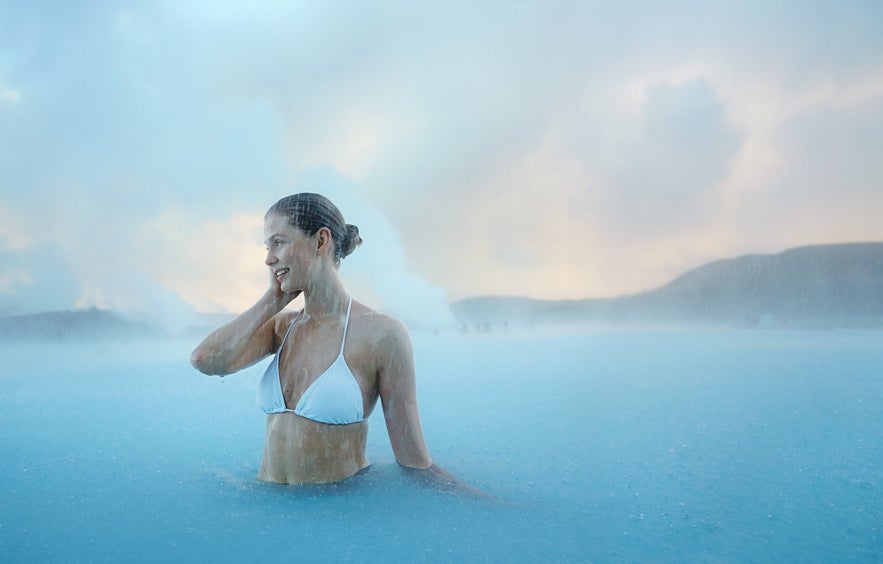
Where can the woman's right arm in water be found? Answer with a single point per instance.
(244, 341)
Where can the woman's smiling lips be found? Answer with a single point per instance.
(280, 273)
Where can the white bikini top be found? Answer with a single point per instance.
(334, 397)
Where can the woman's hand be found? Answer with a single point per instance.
(440, 479)
(280, 296)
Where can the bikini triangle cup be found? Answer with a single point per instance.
(333, 398)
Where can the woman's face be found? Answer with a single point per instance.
(289, 251)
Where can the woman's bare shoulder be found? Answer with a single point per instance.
(377, 326)
(388, 340)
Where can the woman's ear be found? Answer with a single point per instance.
(323, 240)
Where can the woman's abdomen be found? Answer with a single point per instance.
(299, 450)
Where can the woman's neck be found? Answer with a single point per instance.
(326, 300)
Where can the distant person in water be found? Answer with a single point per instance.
(334, 358)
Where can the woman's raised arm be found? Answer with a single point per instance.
(242, 342)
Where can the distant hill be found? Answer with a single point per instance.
(79, 325)
(817, 286)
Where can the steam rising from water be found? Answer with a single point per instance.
(176, 263)
(378, 271)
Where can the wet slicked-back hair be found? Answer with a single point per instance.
(310, 212)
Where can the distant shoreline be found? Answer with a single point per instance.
(819, 287)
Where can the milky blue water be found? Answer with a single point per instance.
(601, 446)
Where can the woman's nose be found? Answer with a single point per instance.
(271, 259)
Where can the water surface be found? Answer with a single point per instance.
(602, 446)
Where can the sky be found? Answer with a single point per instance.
(534, 148)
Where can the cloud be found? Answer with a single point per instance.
(670, 174)
(170, 265)
(213, 264)
(827, 182)
(553, 149)
(12, 279)
(8, 95)
(37, 278)
(13, 231)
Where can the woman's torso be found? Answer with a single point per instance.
(297, 449)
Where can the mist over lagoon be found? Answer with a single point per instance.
(812, 287)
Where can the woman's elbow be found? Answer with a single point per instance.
(197, 360)
(202, 361)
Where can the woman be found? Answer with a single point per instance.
(334, 358)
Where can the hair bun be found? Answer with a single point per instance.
(351, 240)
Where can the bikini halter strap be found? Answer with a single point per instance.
(346, 323)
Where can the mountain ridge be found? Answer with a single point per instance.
(838, 285)
(77, 325)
